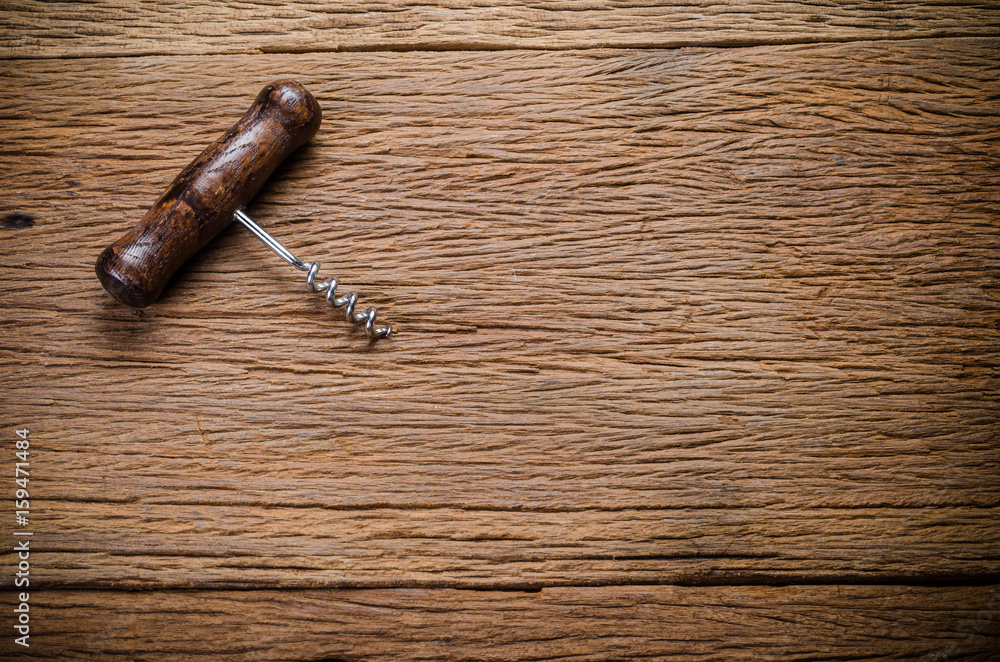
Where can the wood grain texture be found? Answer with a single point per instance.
(613, 623)
(701, 317)
(34, 28)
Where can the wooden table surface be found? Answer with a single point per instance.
(697, 357)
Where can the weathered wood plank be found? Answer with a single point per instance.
(34, 28)
(692, 316)
(647, 622)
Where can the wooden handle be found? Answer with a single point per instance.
(201, 201)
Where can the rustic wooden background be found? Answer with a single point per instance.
(697, 356)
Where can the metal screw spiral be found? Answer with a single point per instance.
(350, 300)
(329, 286)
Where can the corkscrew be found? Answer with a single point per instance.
(213, 191)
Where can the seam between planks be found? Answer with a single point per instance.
(487, 46)
(992, 581)
(692, 581)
